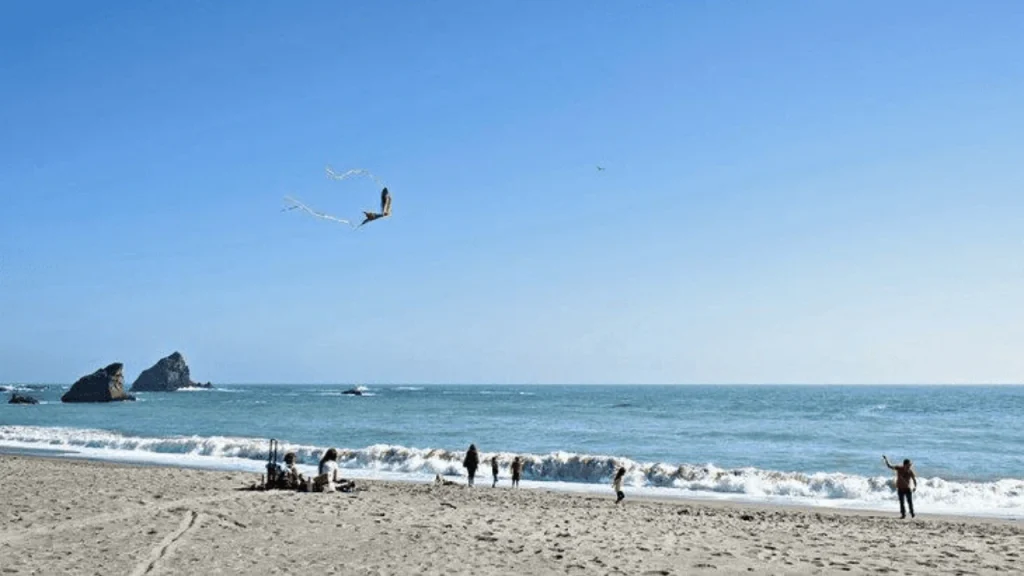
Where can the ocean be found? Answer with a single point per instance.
(805, 445)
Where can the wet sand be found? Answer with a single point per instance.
(75, 517)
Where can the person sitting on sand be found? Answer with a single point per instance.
(291, 476)
(327, 472)
(471, 462)
(438, 481)
(494, 470)
(904, 475)
(517, 471)
(617, 484)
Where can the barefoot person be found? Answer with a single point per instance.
(904, 475)
(617, 484)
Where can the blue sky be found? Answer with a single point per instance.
(816, 192)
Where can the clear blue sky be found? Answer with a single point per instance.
(794, 191)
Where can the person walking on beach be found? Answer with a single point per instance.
(617, 484)
(494, 470)
(904, 475)
(517, 471)
(471, 462)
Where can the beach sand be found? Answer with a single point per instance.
(76, 517)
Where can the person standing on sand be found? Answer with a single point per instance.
(904, 474)
(517, 471)
(617, 484)
(494, 470)
(471, 462)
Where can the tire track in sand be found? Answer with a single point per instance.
(188, 521)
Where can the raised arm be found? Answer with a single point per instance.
(886, 460)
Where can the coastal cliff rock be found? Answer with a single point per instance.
(19, 399)
(167, 375)
(103, 385)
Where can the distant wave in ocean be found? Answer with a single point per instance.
(1001, 497)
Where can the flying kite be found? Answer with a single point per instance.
(385, 208)
(385, 200)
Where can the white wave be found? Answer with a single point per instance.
(564, 470)
(409, 388)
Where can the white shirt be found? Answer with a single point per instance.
(617, 484)
(329, 468)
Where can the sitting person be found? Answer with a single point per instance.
(291, 478)
(438, 481)
(328, 479)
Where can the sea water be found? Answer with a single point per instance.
(810, 445)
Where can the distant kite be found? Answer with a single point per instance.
(600, 168)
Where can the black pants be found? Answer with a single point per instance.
(909, 497)
(472, 473)
(620, 495)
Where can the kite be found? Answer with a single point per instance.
(385, 199)
(385, 208)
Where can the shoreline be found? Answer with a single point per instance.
(75, 517)
(724, 503)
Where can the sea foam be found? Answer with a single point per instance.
(565, 470)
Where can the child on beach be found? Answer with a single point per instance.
(517, 471)
(617, 484)
(904, 475)
(292, 478)
(471, 462)
(494, 470)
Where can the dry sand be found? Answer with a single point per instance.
(74, 517)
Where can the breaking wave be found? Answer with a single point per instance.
(1000, 498)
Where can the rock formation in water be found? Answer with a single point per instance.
(19, 399)
(167, 375)
(103, 385)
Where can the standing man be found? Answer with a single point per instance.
(904, 474)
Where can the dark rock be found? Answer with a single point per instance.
(353, 392)
(19, 399)
(103, 385)
(167, 375)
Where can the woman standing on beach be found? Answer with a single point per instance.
(617, 484)
(471, 462)
(494, 470)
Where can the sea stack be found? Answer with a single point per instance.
(19, 399)
(167, 375)
(103, 385)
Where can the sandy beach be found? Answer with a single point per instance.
(77, 517)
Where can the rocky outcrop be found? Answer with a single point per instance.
(19, 399)
(353, 392)
(103, 385)
(167, 375)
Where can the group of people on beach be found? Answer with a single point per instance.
(328, 479)
(472, 462)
